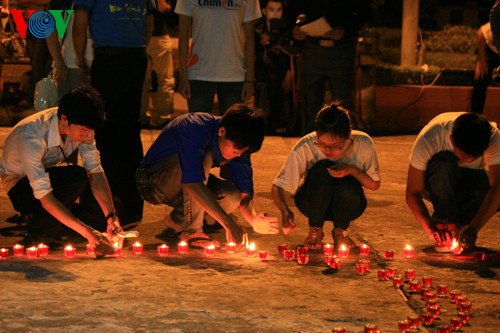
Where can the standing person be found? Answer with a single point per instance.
(333, 164)
(42, 184)
(447, 162)
(176, 172)
(487, 61)
(4, 13)
(273, 76)
(118, 30)
(159, 52)
(222, 54)
(329, 56)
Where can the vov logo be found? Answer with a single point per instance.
(39, 23)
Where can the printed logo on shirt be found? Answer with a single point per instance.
(226, 4)
(41, 24)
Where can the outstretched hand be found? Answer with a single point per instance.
(287, 222)
(264, 224)
(101, 243)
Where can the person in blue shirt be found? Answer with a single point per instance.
(176, 172)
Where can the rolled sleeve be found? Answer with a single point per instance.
(31, 151)
(91, 159)
(242, 175)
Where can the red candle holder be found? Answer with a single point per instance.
(479, 256)
(360, 269)
(423, 290)
(435, 310)
(398, 280)
(231, 247)
(4, 253)
(465, 316)
(163, 250)
(182, 247)
(414, 286)
(364, 250)
(404, 325)
(456, 323)
(391, 271)
(328, 249)
(369, 328)
(442, 290)
(465, 306)
(118, 252)
(432, 302)
(429, 294)
(443, 329)
(414, 320)
(43, 250)
(338, 330)
(329, 259)
(453, 294)
(382, 274)
(18, 250)
(427, 280)
(302, 250)
(137, 248)
(251, 250)
(343, 251)
(282, 247)
(303, 258)
(410, 274)
(32, 252)
(69, 251)
(427, 319)
(288, 255)
(263, 255)
(210, 250)
(335, 264)
(90, 249)
(408, 251)
(456, 247)
(460, 298)
(364, 262)
(389, 254)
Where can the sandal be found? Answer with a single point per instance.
(198, 240)
(314, 239)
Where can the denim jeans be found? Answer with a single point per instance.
(456, 193)
(203, 93)
(160, 183)
(323, 197)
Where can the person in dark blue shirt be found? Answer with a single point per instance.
(176, 172)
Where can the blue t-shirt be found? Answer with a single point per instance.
(190, 136)
(117, 23)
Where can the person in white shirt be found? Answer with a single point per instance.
(447, 165)
(327, 171)
(42, 184)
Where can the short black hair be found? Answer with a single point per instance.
(333, 119)
(471, 134)
(83, 106)
(244, 126)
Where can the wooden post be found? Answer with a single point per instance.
(409, 33)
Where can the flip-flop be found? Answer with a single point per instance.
(199, 240)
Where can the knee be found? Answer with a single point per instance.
(348, 190)
(442, 161)
(319, 170)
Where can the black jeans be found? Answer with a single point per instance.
(323, 197)
(68, 184)
(456, 193)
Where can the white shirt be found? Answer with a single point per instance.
(217, 41)
(34, 145)
(359, 151)
(488, 36)
(435, 138)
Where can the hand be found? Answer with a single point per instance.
(184, 88)
(247, 91)
(113, 229)
(298, 34)
(336, 33)
(288, 82)
(287, 222)
(264, 224)
(467, 237)
(341, 170)
(264, 39)
(100, 243)
(60, 72)
(442, 237)
(236, 234)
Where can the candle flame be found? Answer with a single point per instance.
(328, 245)
(211, 247)
(32, 248)
(343, 247)
(18, 246)
(454, 244)
(41, 245)
(163, 246)
(115, 245)
(69, 248)
(408, 247)
(183, 243)
(231, 244)
(251, 246)
(3, 249)
(364, 246)
(137, 244)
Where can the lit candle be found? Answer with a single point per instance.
(429, 294)
(443, 329)
(118, 249)
(289, 254)
(251, 250)
(442, 290)
(427, 280)
(210, 250)
(382, 274)
(338, 330)
(328, 259)
(163, 250)
(328, 249)
(43, 250)
(404, 325)
(335, 264)
(465, 306)
(391, 271)
(479, 256)
(389, 254)
(410, 274)
(282, 247)
(408, 251)
(303, 258)
(465, 316)
(182, 247)
(4, 253)
(398, 280)
(343, 251)
(302, 250)
(263, 255)
(231, 247)
(360, 269)
(90, 249)
(453, 294)
(32, 252)
(364, 262)
(364, 250)
(435, 310)
(432, 302)
(69, 251)
(137, 248)
(456, 247)
(18, 250)
(456, 323)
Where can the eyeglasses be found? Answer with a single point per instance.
(329, 148)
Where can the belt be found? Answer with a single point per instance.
(118, 51)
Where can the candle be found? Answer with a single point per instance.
(329, 258)
(465, 316)
(90, 249)
(382, 274)
(460, 298)
(163, 250)
(456, 247)
(435, 310)
(18, 250)
(442, 290)
(427, 280)
(343, 251)
(479, 256)
(414, 320)
(32, 252)
(251, 250)
(408, 251)
(404, 325)
(360, 269)
(4, 253)
(118, 249)
(429, 294)
(391, 271)
(302, 250)
(443, 329)
(303, 258)
(456, 323)
(465, 306)
(432, 302)
(328, 249)
(414, 286)
(335, 264)
(369, 328)
(69, 251)
(410, 274)
(338, 330)
(231, 247)
(43, 250)
(182, 247)
(364, 250)
(210, 250)
(411, 330)
(389, 254)
(365, 262)
(263, 255)
(397, 280)
(288, 255)
(454, 293)
(427, 319)
(282, 247)
(137, 248)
